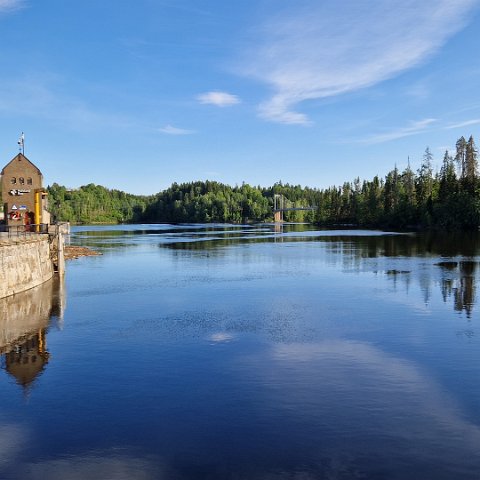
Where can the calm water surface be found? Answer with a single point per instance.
(241, 352)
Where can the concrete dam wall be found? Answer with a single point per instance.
(25, 264)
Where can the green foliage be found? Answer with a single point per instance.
(95, 204)
(208, 202)
(409, 200)
(402, 200)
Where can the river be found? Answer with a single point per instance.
(246, 352)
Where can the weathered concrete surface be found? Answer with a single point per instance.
(28, 312)
(24, 263)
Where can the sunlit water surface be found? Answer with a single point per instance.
(246, 352)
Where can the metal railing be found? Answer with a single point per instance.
(22, 231)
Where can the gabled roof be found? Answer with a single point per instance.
(23, 158)
(25, 372)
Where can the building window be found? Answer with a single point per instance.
(13, 181)
(21, 180)
(29, 181)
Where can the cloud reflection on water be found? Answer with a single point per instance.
(412, 420)
(94, 465)
(312, 374)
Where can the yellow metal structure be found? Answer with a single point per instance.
(38, 209)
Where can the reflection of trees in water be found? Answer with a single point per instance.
(355, 250)
(457, 279)
(466, 244)
(24, 322)
(458, 282)
(167, 234)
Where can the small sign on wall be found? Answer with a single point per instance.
(19, 191)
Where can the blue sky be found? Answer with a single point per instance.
(138, 94)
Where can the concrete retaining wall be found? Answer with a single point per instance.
(24, 264)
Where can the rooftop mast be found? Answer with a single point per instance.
(21, 144)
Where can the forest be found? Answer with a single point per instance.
(446, 199)
(95, 204)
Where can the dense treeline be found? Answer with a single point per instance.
(208, 202)
(215, 202)
(95, 204)
(448, 199)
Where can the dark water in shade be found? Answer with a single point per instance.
(227, 352)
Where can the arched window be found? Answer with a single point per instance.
(21, 180)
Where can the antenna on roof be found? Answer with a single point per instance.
(21, 144)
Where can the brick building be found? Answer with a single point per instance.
(23, 197)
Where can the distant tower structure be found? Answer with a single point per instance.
(23, 197)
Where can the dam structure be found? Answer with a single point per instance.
(31, 248)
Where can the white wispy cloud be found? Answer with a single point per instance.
(463, 124)
(219, 99)
(310, 52)
(9, 5)
(414, 128)
(36, 95)
(419, 90)
(171, 130)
